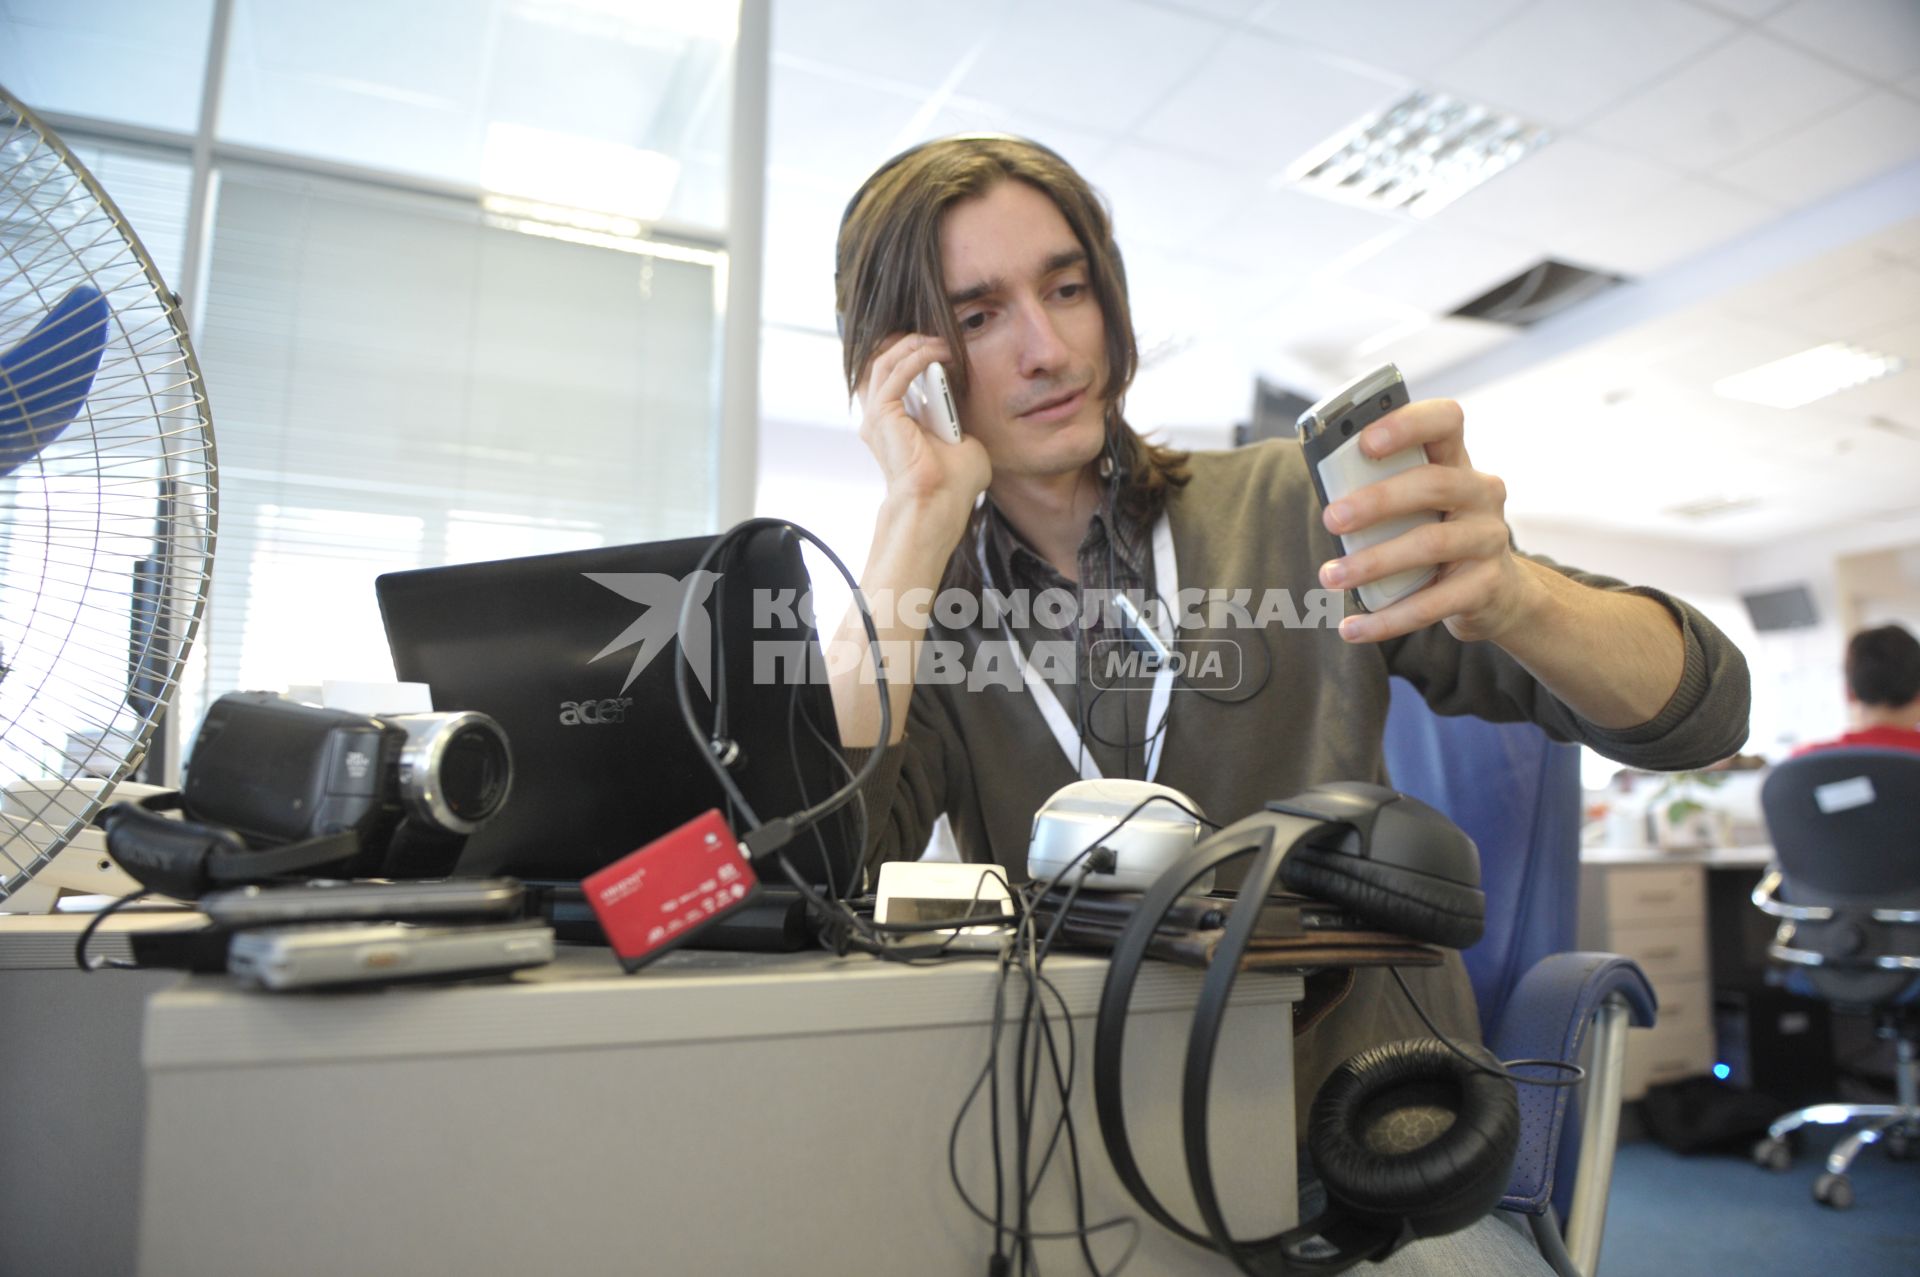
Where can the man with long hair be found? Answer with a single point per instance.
(995, 258)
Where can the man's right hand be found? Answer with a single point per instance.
(935, 480)
(932, 486)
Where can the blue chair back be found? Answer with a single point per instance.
(1517, 795)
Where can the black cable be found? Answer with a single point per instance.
(989, 1078)
(1577, 1073)
(766, 838)
(80, 957)
(1028, 951)
(861, 826)
(806, 799)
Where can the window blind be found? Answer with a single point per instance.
(396, 384)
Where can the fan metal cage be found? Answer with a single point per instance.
(108, 496)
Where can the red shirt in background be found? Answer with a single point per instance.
(1869, 738)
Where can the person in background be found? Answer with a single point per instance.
(1883, 691)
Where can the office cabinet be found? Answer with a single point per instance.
(1656, 914)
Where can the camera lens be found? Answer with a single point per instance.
(473, 774)
(455, 769)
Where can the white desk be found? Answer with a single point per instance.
(717, 1113)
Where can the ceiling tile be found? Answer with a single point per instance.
(833, 129)
(1901, 240)
(1727, 103)
(1285, 235)
(1409, 39)
(1554, 194)
(1259, 105)
(1856, 305)
(1752, 10)
(1428, 351)
(1167, 200)
(1682, 221)
(1093, 64)
(1437, 267)
(1892, 397)
(1306, 339)
(1228, 11)
(1877, 38)
(1901, 339)
(876, 37)
(1561, 61)
(1856, 142)
(1177, 300)
(1078, 147)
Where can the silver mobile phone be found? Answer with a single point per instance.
(327, 955)
(929, 401)
(1329, 436)
(364, 900)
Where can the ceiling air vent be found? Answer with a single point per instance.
(1537, 292)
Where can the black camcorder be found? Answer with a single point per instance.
(276, 787)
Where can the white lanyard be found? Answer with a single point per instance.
(1166, 584)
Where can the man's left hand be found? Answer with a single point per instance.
(1481, 588)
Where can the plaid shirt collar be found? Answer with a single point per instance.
(1017, 565)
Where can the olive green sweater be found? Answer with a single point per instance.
(1309, 708)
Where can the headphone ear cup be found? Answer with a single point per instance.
(1419, 905)
(1409, 1134)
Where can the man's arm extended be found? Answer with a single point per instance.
(1614, 658)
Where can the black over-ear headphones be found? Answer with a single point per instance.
(1412, 1139)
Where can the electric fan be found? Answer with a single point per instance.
(107, 511)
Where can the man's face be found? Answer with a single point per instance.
(1035, 340)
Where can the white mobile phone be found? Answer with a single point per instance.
(333, 900)
(1329, 435)
(929, 401)
(326, 955)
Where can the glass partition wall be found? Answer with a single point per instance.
(459, 278)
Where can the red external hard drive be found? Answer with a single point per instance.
(653, 899)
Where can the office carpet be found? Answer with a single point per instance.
(1674, 1215)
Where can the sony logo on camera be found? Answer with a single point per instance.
(579, 713)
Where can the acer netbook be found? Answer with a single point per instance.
(573, 654)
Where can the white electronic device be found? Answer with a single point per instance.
(942, 891)
(1084, 814)
(1330, 438)
(929, 401)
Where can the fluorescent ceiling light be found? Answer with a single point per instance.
(577, 172)
(1807, 376)
(1419, 155)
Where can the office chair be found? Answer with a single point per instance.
(1517, 794)
(1845, 885)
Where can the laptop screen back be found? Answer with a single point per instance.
(574, 654)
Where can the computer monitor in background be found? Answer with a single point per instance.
(1790, 608)
(574, 655)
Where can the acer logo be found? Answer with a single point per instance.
(578, 713)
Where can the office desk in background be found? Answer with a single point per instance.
(1685, 917)
(718, 1113)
